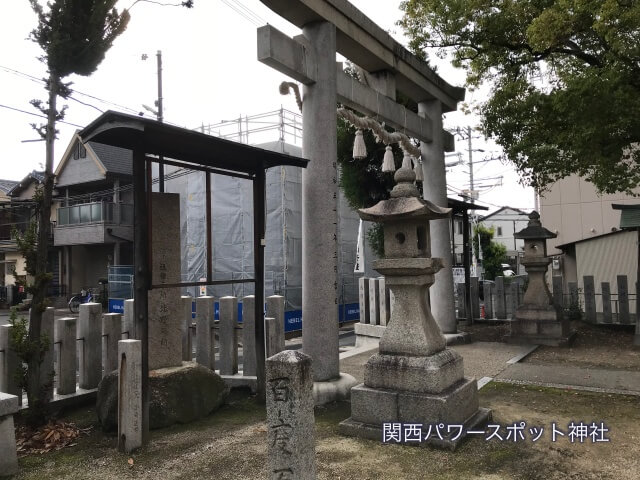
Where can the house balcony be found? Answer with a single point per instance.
(93, 223)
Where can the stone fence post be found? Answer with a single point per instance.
(623, 300)
(385, 301)
(272, 339)
(128, 321)
(558, 296)
(589, 298)
(275, 310)
(291, 449)
(111, 334)
(607, 313)
(500, 301)
(374, 301)
(205, 339)
(249, 335)
(65, 337)
(228, 336)
(187, 320)
(8, 364)
(129, 395)
(363, 296)
(90, 345)
(8, 452)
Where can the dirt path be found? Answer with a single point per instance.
(231, 444)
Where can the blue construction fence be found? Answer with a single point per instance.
(347, 312)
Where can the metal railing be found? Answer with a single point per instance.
(96, 212)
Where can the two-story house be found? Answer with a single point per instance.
(94, 214)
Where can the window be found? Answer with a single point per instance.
(10, 267)
(79, 151)
(459, 227)
(498, 231)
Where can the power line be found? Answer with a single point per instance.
(245, 12)
(43, 82)
(36, 115)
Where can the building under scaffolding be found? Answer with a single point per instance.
(232, 222)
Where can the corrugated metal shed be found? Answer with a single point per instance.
(605, 258)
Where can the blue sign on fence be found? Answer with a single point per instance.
(349, 312)
(116, 305)
(292, 320)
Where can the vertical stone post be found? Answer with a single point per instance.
(8, 364)
(128, 321)
(129, 395)
(8, 452)
(475, 298)
(111, 333)
(46, 368)
(249, 335)
(90, 345)
(363, 297)
(187, 347)
(501, 307)
(623, 300)
(488, 300)
(65, 336)
(385, 307)
(228, 336)
(589, 298)
(574, 297)
(319, 206)
(514, 288)
(291, 451)
(463, 305)
(275, 309)
(607, 314)
(374, 301)
(271, 337)
(558, 296)
(435, 190)
(205, 339)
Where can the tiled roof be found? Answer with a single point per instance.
(115, 159)
(18, 186)
(7, 185)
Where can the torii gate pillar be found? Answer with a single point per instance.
(435, 190)
(319, 206)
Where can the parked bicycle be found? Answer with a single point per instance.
(85, 296)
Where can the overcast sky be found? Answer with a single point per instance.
(210, 74)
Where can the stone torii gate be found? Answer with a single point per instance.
(330, 26)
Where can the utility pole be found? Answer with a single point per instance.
(160, 116)
(471, 195)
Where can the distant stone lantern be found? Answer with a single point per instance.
(538, 320)
(414, 378)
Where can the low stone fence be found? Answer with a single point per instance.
(82, 350)
(493, 300)
(598, 302)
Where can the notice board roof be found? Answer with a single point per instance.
(155, 138)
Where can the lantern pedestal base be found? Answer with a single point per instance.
(540, 325)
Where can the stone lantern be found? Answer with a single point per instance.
(414, 378)
(538, 320)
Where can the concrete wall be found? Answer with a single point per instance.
(86, 234)
(573, 209)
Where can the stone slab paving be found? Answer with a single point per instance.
(612, 381)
